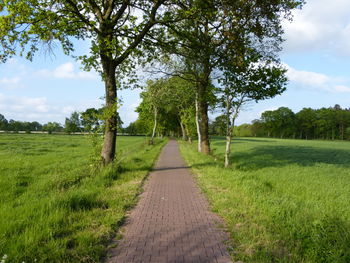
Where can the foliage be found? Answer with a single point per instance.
(52, 127)
(325, 123)
(171, 101)
(73, 124)
(116, 31)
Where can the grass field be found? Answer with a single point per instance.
(55, 207)
(282, 200)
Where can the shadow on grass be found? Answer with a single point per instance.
(279, 156)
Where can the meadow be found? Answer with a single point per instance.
(281, 200)
(56, 205)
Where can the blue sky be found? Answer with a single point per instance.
(316, 53)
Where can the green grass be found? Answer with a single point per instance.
(282, 200)
(54, 206)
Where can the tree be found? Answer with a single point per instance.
(218, 126)
(152, 103)
(72, 124)
(3, 122)
(116, 30)
(52, 127)
(306, 123)
(248, 81)
(199, 44)
(91, 119)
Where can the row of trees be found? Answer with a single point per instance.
(90, 120)
(325, 123)
(237, 40)
(13, 125)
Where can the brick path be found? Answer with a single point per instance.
(171, 222)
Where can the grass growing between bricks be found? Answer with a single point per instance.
(282, 200)
(54, 206)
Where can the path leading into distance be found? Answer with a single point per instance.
(172, 221)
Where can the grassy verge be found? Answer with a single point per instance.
(282, 200)
(54, 206)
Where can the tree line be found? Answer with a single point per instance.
(232, 45)
(331, 123)
(90, 120)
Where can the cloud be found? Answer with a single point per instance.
(67, 71)
(19, 105)
(317, 81)
(39, 108)
(127, 112)
(319, 25)
(14, 80)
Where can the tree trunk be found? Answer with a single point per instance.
(155, 124)
(228, 150)
(189, 138)
(110, 133)
(198, 127)
(183, 131)
(229, 127)
(203, 117)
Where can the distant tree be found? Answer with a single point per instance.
(35, 126)
(15, 126)
(257, 128)
(306, 123)
(91, 119)
(72, 124)
(153, 102)
(280, 123)
(51, 127)
(3, 123)
(218, 126)
(243, 130)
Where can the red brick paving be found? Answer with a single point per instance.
(172, 222)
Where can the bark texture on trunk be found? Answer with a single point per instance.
(154, 125)
(229, 127)
(204, 119)
(198, 127)
(110, 134)
(183, 131)
(228, 150)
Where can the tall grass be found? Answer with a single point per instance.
(54, 206)
(282, 200)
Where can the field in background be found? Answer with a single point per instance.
(282, 200)
(55, 207)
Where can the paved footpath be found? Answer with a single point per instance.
(172, 221)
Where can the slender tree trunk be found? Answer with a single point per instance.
(189, 138)
(198, 127)
(229, 127)
(110, 133)
(342, 131)
(203, 117)
(154, 125)
(228, 149)
(183, 131)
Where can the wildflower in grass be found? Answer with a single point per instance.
(3, 260)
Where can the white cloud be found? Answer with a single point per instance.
(10, 80)
(320, 25)
(37, 109)
(67, 71)
(314, 80)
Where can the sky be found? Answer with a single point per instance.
(316, 53)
